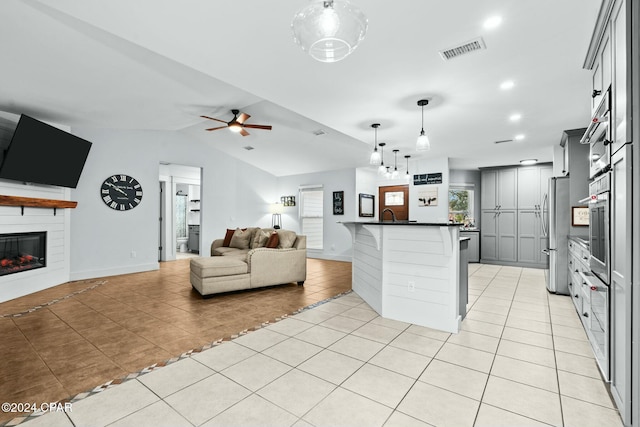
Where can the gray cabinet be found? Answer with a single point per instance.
(531, 240)
(533, 184)
(499, 236)
(193, 244)
(473, 250)
(499, 189)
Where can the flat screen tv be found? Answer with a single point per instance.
(42, 154)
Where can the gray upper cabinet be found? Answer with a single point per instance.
(533, 184)
(622, 79)
(499, 189)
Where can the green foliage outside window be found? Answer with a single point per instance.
(459, 209)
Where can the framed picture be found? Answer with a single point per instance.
(288, 200)
(338, 202)
(366, 205)
(580, 216)
(428, 197)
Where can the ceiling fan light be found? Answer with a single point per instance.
(423, 144)
(329, 30)
(235, 127)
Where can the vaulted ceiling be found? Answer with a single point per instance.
(161, 64)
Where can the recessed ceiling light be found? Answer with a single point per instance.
(515, 117)
(519, 137)
(528, 162)
(507, 85)
(492, 22)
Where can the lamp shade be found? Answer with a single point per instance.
(375, 158)
(276, 208)
(423, 144)
(329, 30)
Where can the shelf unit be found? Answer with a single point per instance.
(33, 202)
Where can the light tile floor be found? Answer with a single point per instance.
(521, 359)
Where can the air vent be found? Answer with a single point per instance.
(463, 49)
(503, 141)
(319, 132)
(248, 148)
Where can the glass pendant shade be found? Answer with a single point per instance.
(382, 169)
(375, 158)
(423, 143)
(329, 30)
(395, 174)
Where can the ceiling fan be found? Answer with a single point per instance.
(237, 124)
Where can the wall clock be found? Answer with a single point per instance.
(121, 192)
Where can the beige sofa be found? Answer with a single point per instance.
(247, 264)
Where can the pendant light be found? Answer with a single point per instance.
(329, 30)
(382, 169)
(387, 173)
(395, 173)
(406, 175)
(375, 156)
(423, 143)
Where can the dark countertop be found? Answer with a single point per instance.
(428, 224)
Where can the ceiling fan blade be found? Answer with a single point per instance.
(242, 118)
(211, 118)
(219, 127)
(243, 132)
(266, 127)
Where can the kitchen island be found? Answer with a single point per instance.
(410, 271)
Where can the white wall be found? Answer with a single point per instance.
(337, 240)
(439, 213)
(103, 240)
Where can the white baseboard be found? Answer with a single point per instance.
(93, 274)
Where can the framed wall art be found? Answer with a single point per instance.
(580, 216)
(338, 202)
(366, 205)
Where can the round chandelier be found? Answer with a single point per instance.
(329, 30)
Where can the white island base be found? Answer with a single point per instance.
(409, 271)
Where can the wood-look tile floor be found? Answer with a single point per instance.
(129, 322)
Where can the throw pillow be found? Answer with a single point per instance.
(261, 238)
(227, 237)
(273, 241)
(240, 239)
(287, 238)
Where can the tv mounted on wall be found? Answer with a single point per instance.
(42, 154)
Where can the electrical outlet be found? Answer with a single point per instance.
(133, 254)
(411, 286)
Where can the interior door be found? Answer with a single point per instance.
(396, 198)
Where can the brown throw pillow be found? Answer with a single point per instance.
(227, 237)
(273, 241)
(240, 239)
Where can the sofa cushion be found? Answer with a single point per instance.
(287, 239)
(260, 238)
(218, 266)
(241, 239)
(227, 237)
(273, 241)
(230, 251)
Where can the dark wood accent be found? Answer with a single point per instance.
(33, 202)
(401, 211)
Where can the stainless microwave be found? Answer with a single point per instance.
(598, 136)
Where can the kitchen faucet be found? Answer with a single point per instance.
(393, 215)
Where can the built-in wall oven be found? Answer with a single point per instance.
(599, 241)
(595, 283)
(598, 136)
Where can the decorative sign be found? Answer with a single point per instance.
(366, 205)
(428, 197)
(338, 202)
(427, 178)
(288, 200)
(580, 216)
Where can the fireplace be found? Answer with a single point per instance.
(22, 251)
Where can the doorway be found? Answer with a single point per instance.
(395, 198)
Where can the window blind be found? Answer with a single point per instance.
(311, 216)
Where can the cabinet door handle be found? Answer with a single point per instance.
(595, 93)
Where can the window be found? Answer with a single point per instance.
(461, 203)
(311, 216)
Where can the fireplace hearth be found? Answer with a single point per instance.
(22, 252)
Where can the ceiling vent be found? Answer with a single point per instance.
(463, 49)
(319, 132)
(503, 141)
(248, 148)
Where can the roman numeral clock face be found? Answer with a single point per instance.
(121, 192)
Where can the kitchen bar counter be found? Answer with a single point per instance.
(409, 271)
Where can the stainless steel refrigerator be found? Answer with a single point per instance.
(556, 208)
